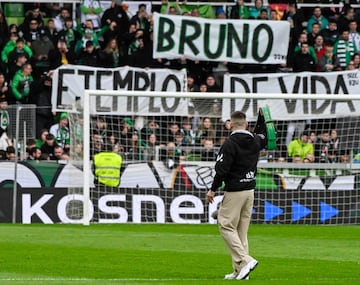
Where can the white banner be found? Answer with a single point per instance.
(337, 83)
(240, 41)
(70, 82)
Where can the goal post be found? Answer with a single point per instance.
(166, 181)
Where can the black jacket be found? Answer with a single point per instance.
(237, 160)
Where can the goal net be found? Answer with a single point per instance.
(168, 142)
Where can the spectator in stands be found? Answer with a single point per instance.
(345, 19)
(4, 114)
(356, 60)
(61, 55)
(50, 30)
(171, 156)
(312, 137)
(13, 28)
(69, 33)
(13, 48)
(195, 13)
(264, 14)
(329, 61)
(91, 10)
(170, 133)
(351, 65)
(191, 84)
(172, 8)
(223, 133)
(116, 14)
(59, 20)
(211, 85)
(220, 13)
(61, 131)
(331, 33)
(315, 30)
(187, 132)
(90, 56)
(318, 18)
(35, 153)
(203, 87)
(49, 146)
(41, 48)
(140, 19)
(88, 34)
(96, 143)
(41, 97)
(140, 51)
(151, 147)
(303, 39)
(41, 138)
(102, 128)
(31, 32)
(152, 127)
(111, 54)
(354, 35)
(300, 147)
(179, 140)
(10, 153)
(134, 149)
(274, 15)
(303, 60)
(344, 49)
(126, 131)
(239, 10)
(21, 84)
(34, 14)
(206, 130)
(60, 153)
(320, 49)
(255, 10)
(322, 147)
(208, 153)
(295, 18)
(16, 65)
(30, 143)
(4, 88)
(334, 149)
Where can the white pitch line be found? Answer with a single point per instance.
(148, 279)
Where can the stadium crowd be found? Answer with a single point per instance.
(321, 40)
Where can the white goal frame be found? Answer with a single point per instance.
(197, 95)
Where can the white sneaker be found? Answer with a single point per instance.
(253, 263)
(233, 275)
(245, 271)
(230, 276)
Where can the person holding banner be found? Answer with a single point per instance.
(303, 60)
(236, 166)
(239, 11)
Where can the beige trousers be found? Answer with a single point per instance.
(234, 219)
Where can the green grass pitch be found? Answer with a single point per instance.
(174, 254)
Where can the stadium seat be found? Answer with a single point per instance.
(15, 20)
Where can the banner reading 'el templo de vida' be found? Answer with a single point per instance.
(221, 40)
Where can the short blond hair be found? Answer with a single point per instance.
(238, 119)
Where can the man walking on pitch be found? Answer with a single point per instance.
(236, 166)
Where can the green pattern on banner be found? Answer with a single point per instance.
(46, 171)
